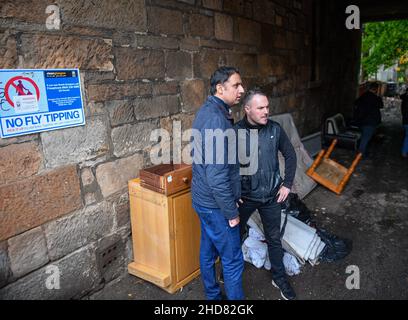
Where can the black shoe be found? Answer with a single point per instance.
(285, 288)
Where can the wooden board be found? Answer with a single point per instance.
(158, 278)
(331, 171)
(186, 239)
(150, 229)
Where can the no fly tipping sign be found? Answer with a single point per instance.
(39, 100)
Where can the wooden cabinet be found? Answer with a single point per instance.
(165, 235)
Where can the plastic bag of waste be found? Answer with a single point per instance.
(296, 208)
(336, 248)
(292, 266)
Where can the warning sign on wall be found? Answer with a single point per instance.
(39, 100)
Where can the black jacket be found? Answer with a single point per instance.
(266, 181)
(367, 109)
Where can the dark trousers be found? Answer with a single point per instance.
(367, 132)
(270, 213)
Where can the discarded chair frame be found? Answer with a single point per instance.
(329, 173)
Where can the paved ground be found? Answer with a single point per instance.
(372, 211)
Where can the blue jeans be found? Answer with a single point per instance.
(219, 239)
(404, 150)
(367, 133)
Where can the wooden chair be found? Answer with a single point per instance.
(329, 173)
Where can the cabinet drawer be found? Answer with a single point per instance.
(166, 178)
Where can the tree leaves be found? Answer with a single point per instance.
(385, 43)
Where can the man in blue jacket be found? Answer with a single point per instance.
(216, 187)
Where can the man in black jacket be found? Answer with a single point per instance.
(216, 186)
(265, 190)
(368, 115)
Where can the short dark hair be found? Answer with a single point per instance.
(220, 76)
(251, 93)
(373, 86)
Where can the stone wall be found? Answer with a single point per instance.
(143, 63)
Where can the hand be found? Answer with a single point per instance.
(239, 202)
(283, 194)
(234, 222)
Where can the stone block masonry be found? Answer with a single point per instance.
(144, 64)
(33, 201)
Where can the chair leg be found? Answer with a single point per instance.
(349, 172)
(315, 163)
(330, 150)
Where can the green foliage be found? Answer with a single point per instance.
(385, 43)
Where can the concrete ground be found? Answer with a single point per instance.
(372, 211)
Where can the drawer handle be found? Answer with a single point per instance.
(185, 179)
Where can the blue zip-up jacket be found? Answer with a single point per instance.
(214, 184)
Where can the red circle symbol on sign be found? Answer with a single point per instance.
(20, 88)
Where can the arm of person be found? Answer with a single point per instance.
(358, 114)
(381, 102)
(233, 222)
(282, 194)
(218, 178)
(289, 154)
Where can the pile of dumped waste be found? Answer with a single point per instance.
(301, 239)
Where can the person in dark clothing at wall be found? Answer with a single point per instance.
(368, 115)
(264, 189)
(404, 111)
(216, 187)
